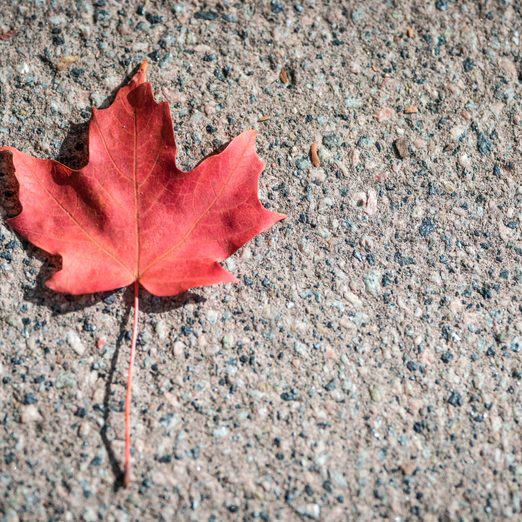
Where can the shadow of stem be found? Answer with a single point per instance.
(117, 470)
(115, 466)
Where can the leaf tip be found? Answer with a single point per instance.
(144, 66)
(141, 74)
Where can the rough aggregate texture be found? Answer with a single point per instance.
(368, 366)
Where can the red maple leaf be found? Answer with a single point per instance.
(131, 216)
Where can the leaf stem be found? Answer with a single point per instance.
(127, 476)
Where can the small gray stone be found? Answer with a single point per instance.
(353, 103)
(14, 320)
(401, 146)
(339, 480)
(357, 15)
(360, 319)
(484, 145)
(427, 227)
(66, 380)
(376, 393)
(332, 140)
(228, 341)
(161, 330)
(303, 164)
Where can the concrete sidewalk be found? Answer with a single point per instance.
(368, 364)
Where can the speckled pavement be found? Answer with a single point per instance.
(368, 364)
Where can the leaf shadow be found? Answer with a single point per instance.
(117, 470)
(74, 150)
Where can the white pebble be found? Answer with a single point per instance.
(74, 341)
(179, 349)
(212, 316)
(30, 414)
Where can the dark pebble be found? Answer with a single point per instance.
(154, 55)
(96, 461)
(218, 73)
(186, 330)
(229, 18)
(292, 395)
(330, 386)
(446, 357)
(80, 412)
(403, 260)
(9, 458)
(165, 459)
(387, 279)
(484, 145)
(88, 326)
(332, 140)
(427, 226)
(455, 399)
(145, 485)
(485, 292)
(30, 398)
(154, 19)
(276, 7)
(418, 427)
(206, 15)
(111, 299)
(468, 64)
(412, 366)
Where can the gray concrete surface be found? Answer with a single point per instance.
(368, 365)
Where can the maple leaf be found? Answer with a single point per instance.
(131, 216)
